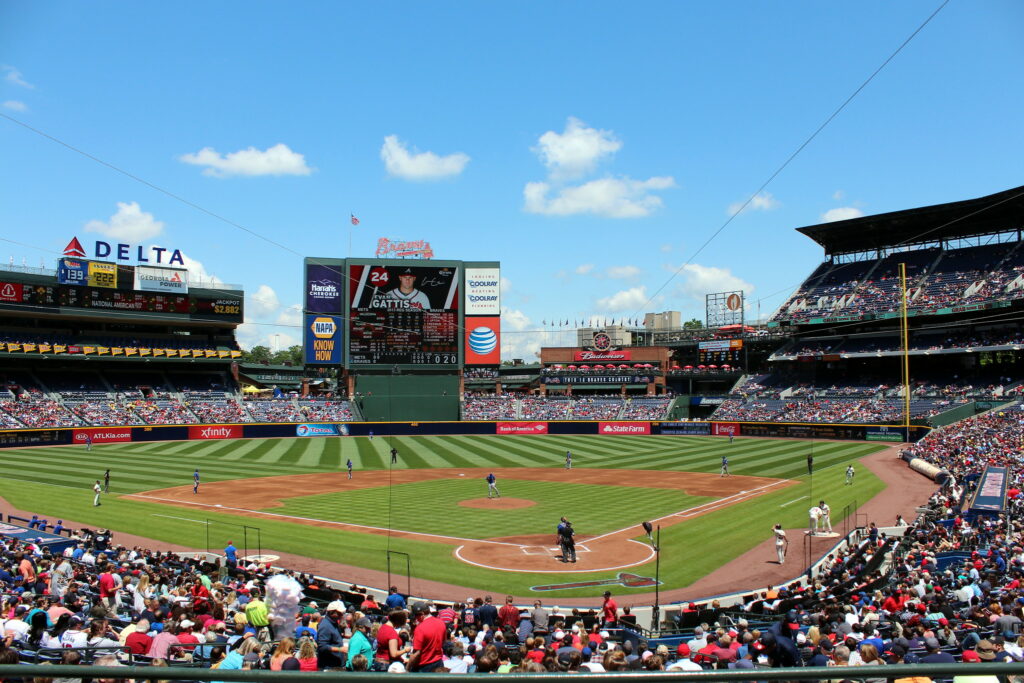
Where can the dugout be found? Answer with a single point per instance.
(403, 398)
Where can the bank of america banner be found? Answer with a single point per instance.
(166, 280)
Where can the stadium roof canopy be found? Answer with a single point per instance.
(996, 213)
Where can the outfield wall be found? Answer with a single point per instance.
(14, 438)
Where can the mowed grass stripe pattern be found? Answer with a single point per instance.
(433, 507)
(138, 467)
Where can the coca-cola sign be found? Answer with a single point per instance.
(624, 428)
(725, 428)
(601, 355)
(521, 427)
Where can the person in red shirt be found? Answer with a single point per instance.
(108, 590)
(389, 644)
(200, 596)
(138, 641)
(427, 640)
(508, 615)
(610, 610)
(185, 635)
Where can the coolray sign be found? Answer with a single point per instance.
(520, 427)
(483, 291)
(323, 339)
(168, 280)
(126, 253)
(725, 428)
(323, 288)
(215, 432)
(102, 435)
(624, 428)
(321, 430)
(601, 355)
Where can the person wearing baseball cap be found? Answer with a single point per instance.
(427, 640)
(359, 643)
(330, 644)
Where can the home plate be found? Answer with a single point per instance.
(218, 505)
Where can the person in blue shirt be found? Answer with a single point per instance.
(349, 466)
(58, 527)
(32, 522)
(195, 481)
(395, 600)
(231, 556)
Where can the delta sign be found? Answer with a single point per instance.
(125, 253)
(322, 340)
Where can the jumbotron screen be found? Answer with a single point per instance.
(404, 314)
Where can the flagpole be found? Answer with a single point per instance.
(350, 235)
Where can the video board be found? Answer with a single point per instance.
(403, 314)
(118, 300)
(728, 351)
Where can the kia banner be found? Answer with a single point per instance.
(215, 432)
(521, 427)
(725, 428)
(624, 428)
(103, 435)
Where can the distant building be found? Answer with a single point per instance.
(668, 320)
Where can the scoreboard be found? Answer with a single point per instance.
(406, 315)
(381, 313)
(718, 351)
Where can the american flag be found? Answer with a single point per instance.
(355, 221)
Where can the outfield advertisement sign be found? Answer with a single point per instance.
(321, 430)
(102, 435)
(483, 340)
(323, 288)
(685, 428)
(323, 340)
(483, 291)
(520, 427)
(624, 428)
(884, 434)
(725, 428)
(167, 280)
(215, 432)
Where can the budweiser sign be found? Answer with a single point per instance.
(601, 355)
(624, 428)
(215, 432)
(110, 435)
(521, 427)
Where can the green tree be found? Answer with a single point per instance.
(291, 355)
(693, 324)
(257, 354)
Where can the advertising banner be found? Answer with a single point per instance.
(167, 280)
(685, 428)
(624, 428)
(102, 435)
(323, 288)
(483, 340)
(884, 434)
(600, 356)
(102, 274)
(990, 496)
(12, 292)
(321, 430)
(72, 271)
(725, 428)
(597, 379)
(215, 432)
(520, 427)
(483, 291)
(323, 340)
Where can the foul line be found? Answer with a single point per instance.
(650, 554)
(184, 519)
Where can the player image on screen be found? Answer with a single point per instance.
(405, 295)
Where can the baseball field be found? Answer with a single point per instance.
(433, 504)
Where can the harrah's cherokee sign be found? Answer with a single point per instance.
(483, 291)
(323, 288)
(624, 428)
(601, 355)
(127, 252)
(215, 432)
(521, 427)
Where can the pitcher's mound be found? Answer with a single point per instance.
(497, 503)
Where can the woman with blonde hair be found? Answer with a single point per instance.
(285, 649)
(307, 655)
(141, 593)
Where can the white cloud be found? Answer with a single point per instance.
(514, 319)
(838, 195)
(762, 201)
(197, 273)
(506, 285)
(665, 248)
(277, 160)
(130, 224)
(584, 268)
(291, 316)
(250, 334)
(622, 272)
(519, 339)
(402, 163)
(608, 197)
(576, 151)
(12, 75)
(631, 299)
(263, 301)
(698, 281)
(841, 213)
(15, 105)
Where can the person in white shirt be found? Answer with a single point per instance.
(74, 636)
(17, 627)
(781, 544)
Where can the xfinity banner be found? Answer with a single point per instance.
(166, 280)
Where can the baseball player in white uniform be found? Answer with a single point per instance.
(781, 543)
(825, 519)
(407, 293)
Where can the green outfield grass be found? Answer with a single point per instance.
(56, 482)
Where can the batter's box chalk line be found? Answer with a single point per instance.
(548, 550)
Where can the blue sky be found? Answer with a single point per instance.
(590, 147)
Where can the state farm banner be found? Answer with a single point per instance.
(597, 356)
(166, 280)
(520, 427)
(103, 435)
(215, 432)
(624, 428)
(725, 428)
